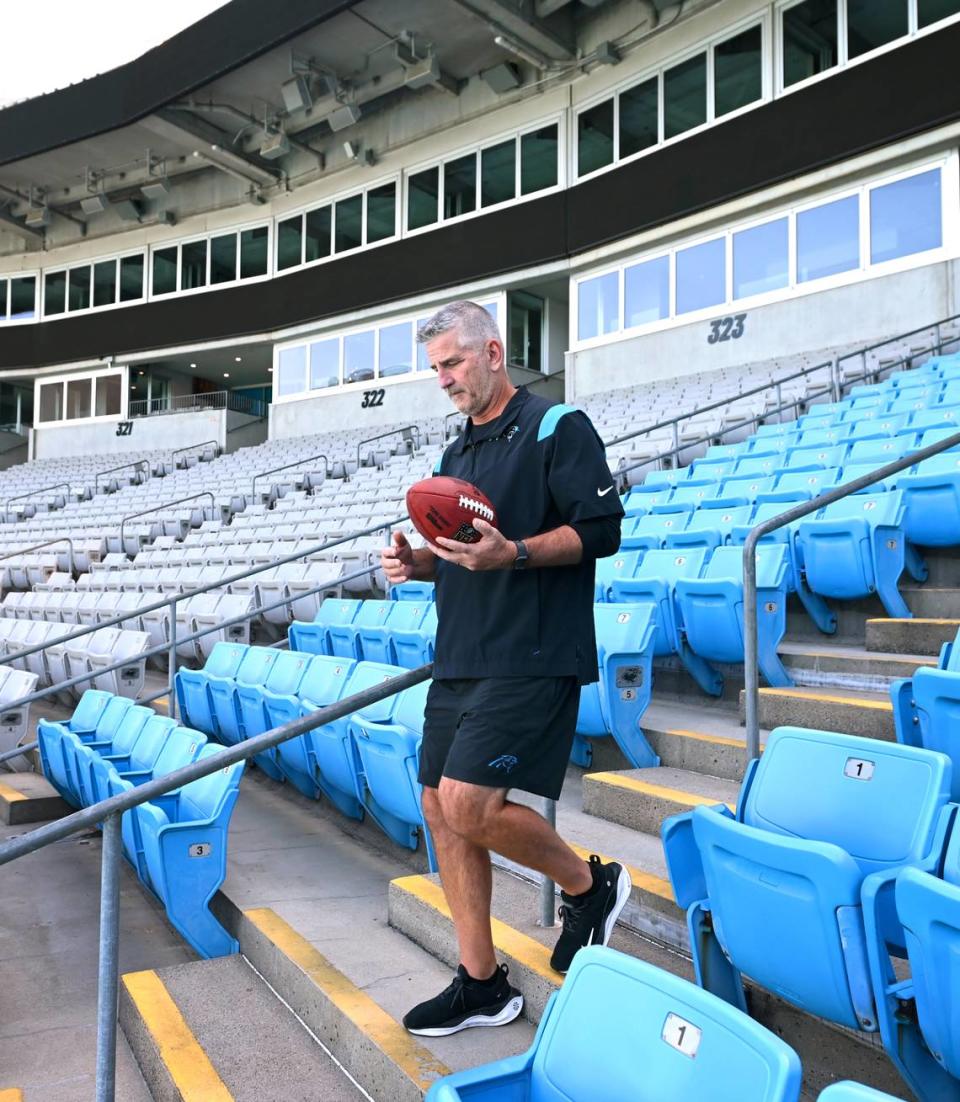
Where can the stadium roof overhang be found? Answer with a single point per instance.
(259, 93)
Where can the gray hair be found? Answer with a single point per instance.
(472, 323)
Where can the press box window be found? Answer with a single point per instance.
(685, 96)
(738, 71)
(646, 292)
(54, 293)
(292, 371)
(538, 159)
(701, 276)
(165, 271)
(498, 173)
(396, 344)
(358, 362)
(131, 278)
(349, 223)
(905, 217)
(639, 117)
(317, 239)
(598, 306)
(828, 239)
(595, 137)
(108, 392)
(78, 289)
(325, 363)
(105, 283)
(78, 398)
(871, 24)
(809, 40)
(289, 243)
(761, 259)
(460, 186)
(23, 298)
(223, 259)
(381, 213)
(193, 265)
(932, 11)
(51, 402)
(3, 299)
(423, 192)
(253, 252)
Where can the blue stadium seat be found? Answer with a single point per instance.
(853, 471)
(192, 696)
(807, 458)
(794, 485)
(642, 499)
(184, 838)
(941, 417)
(779, 890)
(647, 533)
(421, 592)
(672, 476)
(96, 711)
(138, 737)
(838, 436)
(222, 690)
(615, 704)
(882, 451)
(868, 428)
(708, 472)
(315, 638)
(389, 755)
(820, 419)
(653, 582)
(847, 1091)
(737, 490)
(931, 492)
(710, 526)
(621, 565)
(377, 640)
(711, 608)
(346, 638)
(645, 1035)
(337, 766)
(687, 498)
(920, 1017)
(77, 752)
(323, 684)
(855, 547)
(283, 679)
(414, 646)
(758, 466)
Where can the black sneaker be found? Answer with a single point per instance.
(588, 919)
(466, 1004)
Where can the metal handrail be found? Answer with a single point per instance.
(901, 337)
(136, 464)
(287, 467)
(448, 417)
(38, 546)
(192, 447)
(165, 505)
(751, 670)
(32, 493)
(384, 435)
(109, 812)
(937, 346)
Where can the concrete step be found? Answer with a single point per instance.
(640, 799)
(419, 910)
(843, 710)
(836, 665)
(214, 1030)
(916, 636)
(29, 798)
(924, 600)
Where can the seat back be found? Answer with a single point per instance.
(812, 482)
(256, 665)
(772, 559)
(325, 679)
(205, 798)
(874, 509)
(225, 659)
(810, 456)
(335, 610)
(287, 672)
(880, 802)
(180, 746)
(676, 1043)
(150, 743)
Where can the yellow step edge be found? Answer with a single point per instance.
(912, 620)
(12, 796)
(420, 1065)
(11, 1094)
(506, 940)
(829, 698)
(642, 881)
(187, 1064)
(700, 736)
(674, 795)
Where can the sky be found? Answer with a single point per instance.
(81, 40)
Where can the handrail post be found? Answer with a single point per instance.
(751, 670)
(172, 660)
(835, 378)
(109, 966)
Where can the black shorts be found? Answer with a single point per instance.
(500, 732)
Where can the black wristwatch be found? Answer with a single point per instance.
(523, 557)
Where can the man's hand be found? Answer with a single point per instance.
(397, 560)
(493, 551)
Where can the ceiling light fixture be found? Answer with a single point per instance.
(156, 190)
(239, 359)
(193, 365)
(226, 374)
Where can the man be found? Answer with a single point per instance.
(515, 641)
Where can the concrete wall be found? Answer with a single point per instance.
(13, 450)
(861, 313)
(244, 431)
(166, 431)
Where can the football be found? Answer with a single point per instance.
(442, 506)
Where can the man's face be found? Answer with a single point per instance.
(465, 374)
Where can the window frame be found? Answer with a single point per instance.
(8, 278)
(80, 376)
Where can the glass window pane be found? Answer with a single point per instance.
(317, 238)
(930, 11)
(828, 239)
(460, 186)
(193, 265)
(760, 259)
(290, 242)
(131, 278)
(325, 362)
(291, 371)
(905, 217)
(108, 396)
(598, 306)
(809, 40)
(595, 137)
(78, 291)
(3, 300)
(78, 398)
(870, 24)
(498, 173)
(164, 271)
(54, 293)
(701, 276)
(738, 71)
(396, 349)
(223, 258)
(423, 191)
(51, 401)
(381, 212)
(253, 252)
(23, 298)
(685, 96)
(423, 360)
(349, 216)
(538, 159)
(105, 283)
(638, 117)
(358, 356)
(646, 291)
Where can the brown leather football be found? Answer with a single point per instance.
(442, 506)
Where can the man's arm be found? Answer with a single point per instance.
(493, 551)
(401, 563)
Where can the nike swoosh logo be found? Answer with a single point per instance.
(603, 493)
